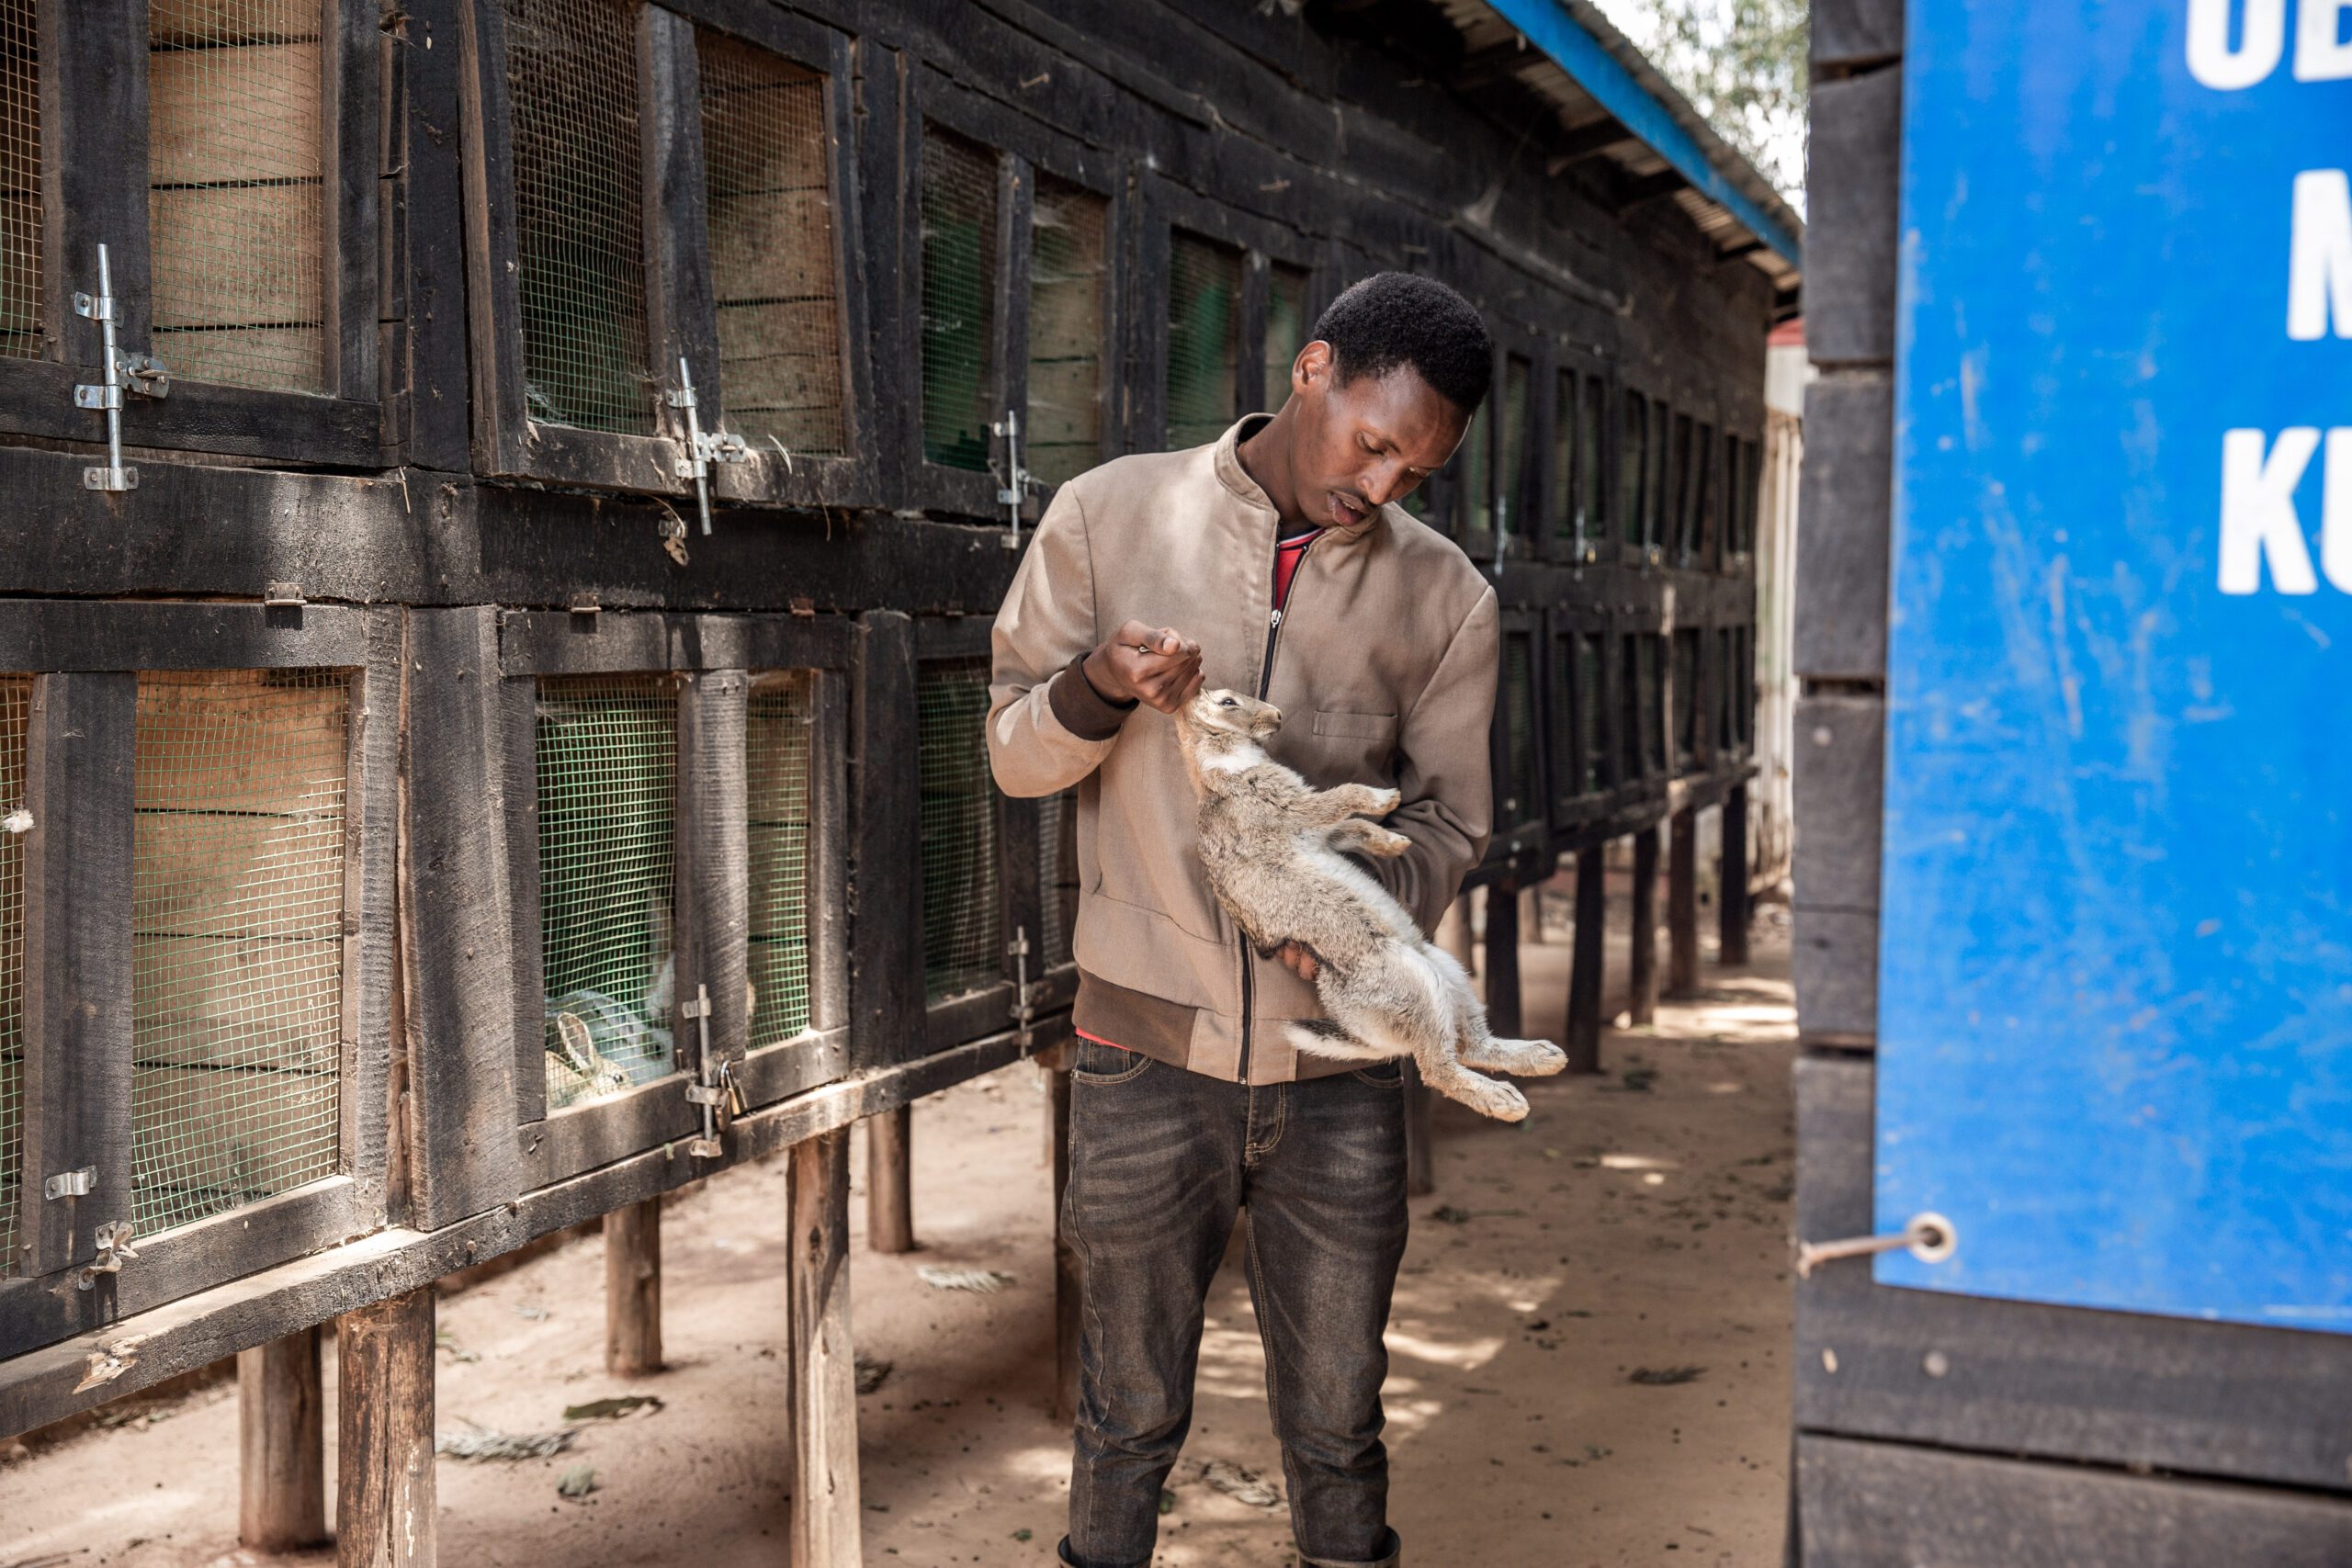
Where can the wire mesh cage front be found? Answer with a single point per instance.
(1203, 338)
(1591, 491)
(16, 701)
(1058, 876)
(1524, 784)
(1567, 523)
(1590, 775)
(1067, 263)
(1654, 486)
(1687, 724)
(962, 940)
(1576, 716)
(1512, 484)
(1743, 702)
(571, 84)
(778, 746)
(768, 199)
(20, 181)
(1471, 472)
(959, 268)
(1651, 693)
(1702, 523)
(237, 901)
(1682, 524)
(1634, 468)
(1286, 329)
(1727, 689)
(236, 199)
(607, 754)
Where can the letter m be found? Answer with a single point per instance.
(2319, 265)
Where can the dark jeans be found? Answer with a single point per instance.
(1161, 1161)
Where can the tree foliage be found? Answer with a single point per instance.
(1742, 64)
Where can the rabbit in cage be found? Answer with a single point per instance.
(1274, 850)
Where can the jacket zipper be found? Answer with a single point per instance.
(1265, 681)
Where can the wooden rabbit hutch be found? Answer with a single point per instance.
(508, 501)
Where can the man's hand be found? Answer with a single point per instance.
(1297, 960)
(1160, 669)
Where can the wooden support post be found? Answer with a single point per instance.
(1682, 905)
(1588, 960)
(633, 1289)
(824, 1375)
(1732, 897)
(890, 1180)
(1066, 1282)
(384, 1499)
(281, 1491)
(1502, 959)
(1644, 971)
(1420, 1132)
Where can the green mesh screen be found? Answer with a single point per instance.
(769, 202)
(579, 212)
(1726, 688)
(607, 749)
(1751, 485)
(1589, 772)
(1523, 786)
(1631, 747)
(1058, 876)
(16, 695)
(1286, 329)
(1513, 484)
(1682, 527)
(1634, 467)
(1702, 524)
(1203, 338)
(1565, 477)
(1062, 432)
(777, 753)
(236, 934)
(960, 206)
(1653, 487)
(1475, 501)
(1591, 491)
(962, 940)
(1648, 653)
(235, 204)
(1687, 729)
(20, 207)
(1743, 705)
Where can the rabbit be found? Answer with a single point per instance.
(1275, 853)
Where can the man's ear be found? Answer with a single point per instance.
(1315, 362)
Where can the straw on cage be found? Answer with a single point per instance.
(959, 190)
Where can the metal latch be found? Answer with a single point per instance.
(142, 374)
(1018, 950)
(114, 1248)
(708, 1089)
(1930, 1238)
(1013, 485)
(72, 1183)
(702, 450)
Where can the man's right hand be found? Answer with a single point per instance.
(1159, 667)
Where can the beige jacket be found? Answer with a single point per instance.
(1383, 665)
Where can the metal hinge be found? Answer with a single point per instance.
(72, 1183)
(1015, 484)
(702, 450)
(142, 374)
(281, 596)
(708, 1087)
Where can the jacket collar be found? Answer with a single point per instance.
(1226, 459)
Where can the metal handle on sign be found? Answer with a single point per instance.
(1928, 1237)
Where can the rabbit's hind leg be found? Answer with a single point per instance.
(1477, 1044)
(1361, 837)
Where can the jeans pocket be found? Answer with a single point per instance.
(1102, 1065)
(1383, 1075)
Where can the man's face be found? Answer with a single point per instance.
(1360, 446)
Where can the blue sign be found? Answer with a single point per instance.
(2116, 961)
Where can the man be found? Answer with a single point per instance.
(1274, 562)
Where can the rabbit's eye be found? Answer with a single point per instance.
(1225, 703)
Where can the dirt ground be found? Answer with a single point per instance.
(1589, 1353)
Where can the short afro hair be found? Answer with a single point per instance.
(1394, 319)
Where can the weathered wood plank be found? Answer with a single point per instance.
(1840, 765)
(281, 1490)
(1683, 905)
(1867, 1505)
(384, 1511)
(1848, 480)
(889, 1182)
(1642, 971)
(1850, 241)
(824, 1378)
(633, 1289)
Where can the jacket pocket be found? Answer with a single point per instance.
(1374, 726)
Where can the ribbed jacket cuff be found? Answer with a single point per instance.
(1084, 711)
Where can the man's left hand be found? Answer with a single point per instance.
(1297, 960)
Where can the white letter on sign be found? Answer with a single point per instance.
(2211, 60)
(2321, 51)
(2319, 255)
(2258, 511)
(2335, 511)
